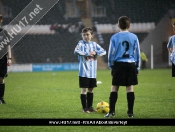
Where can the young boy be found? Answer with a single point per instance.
(171, 49)
(4, 61)
(87, 52)
(124, 60)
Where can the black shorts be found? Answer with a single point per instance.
(85, 82)
(173, 70)
(124, 74)
(3, 67)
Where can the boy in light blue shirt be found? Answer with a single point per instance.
(124, 61)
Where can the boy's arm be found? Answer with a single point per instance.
(9, 56)
(169, 45)
(170, 50)
(100, 51)
(79, 50)
(110, 55)
(137, 56)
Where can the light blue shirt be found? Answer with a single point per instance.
(124, 47)
(171, 44)
(88, 64)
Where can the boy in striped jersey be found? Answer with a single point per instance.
(87, 52)
(124, 61)
(171, 50)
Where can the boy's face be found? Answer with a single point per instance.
(87, 36)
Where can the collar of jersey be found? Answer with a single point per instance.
(123, 31)
(86, 42)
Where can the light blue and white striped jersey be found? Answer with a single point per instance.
(88, 64)
(171, 44)
(124, 47)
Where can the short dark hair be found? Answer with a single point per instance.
(124, 22)
(86, 29)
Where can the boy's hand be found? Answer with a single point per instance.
(9, 62)
(92, 53)
(111, 72)
(137, 72)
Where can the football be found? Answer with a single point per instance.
(102, 107)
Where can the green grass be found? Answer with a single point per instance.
(57, 95)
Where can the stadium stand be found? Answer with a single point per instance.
(145, 15)
(137, 10)
(41, 44)
(39, 48)
(54, 15)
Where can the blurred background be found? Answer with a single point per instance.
(52, 40)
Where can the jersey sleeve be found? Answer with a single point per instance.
(4, 42)
(137, 54)
(79, 50)
(99, 50)
(111, 51)
(169, 45)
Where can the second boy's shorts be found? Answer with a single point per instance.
(3, 67)
(85, 82)
(173, 70)
(124, 74)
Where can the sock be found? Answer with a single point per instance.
(89, 99)
(83, 100)
(130, 99)
(2, 90)
(112, 101)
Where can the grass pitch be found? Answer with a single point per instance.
(57, 95)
